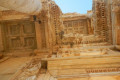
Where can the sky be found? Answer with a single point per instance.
(79, 6)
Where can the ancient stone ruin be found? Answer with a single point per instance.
(39, 42)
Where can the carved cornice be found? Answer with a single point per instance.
(10, 12)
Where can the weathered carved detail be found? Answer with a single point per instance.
(21, 35)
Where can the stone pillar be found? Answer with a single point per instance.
(117, 27)
(47, 34)
(89, 26)
(113, 29)
(38, 35)
(42, 46)
(1, 39)
(85, 27)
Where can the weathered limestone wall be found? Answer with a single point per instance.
(84, 66)
(76, 24)
(48, 25)
(89, 58)
(79, 29)
(6, 16)
(56, 21)
(94, 78)
(102, 17)
(112, 20)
